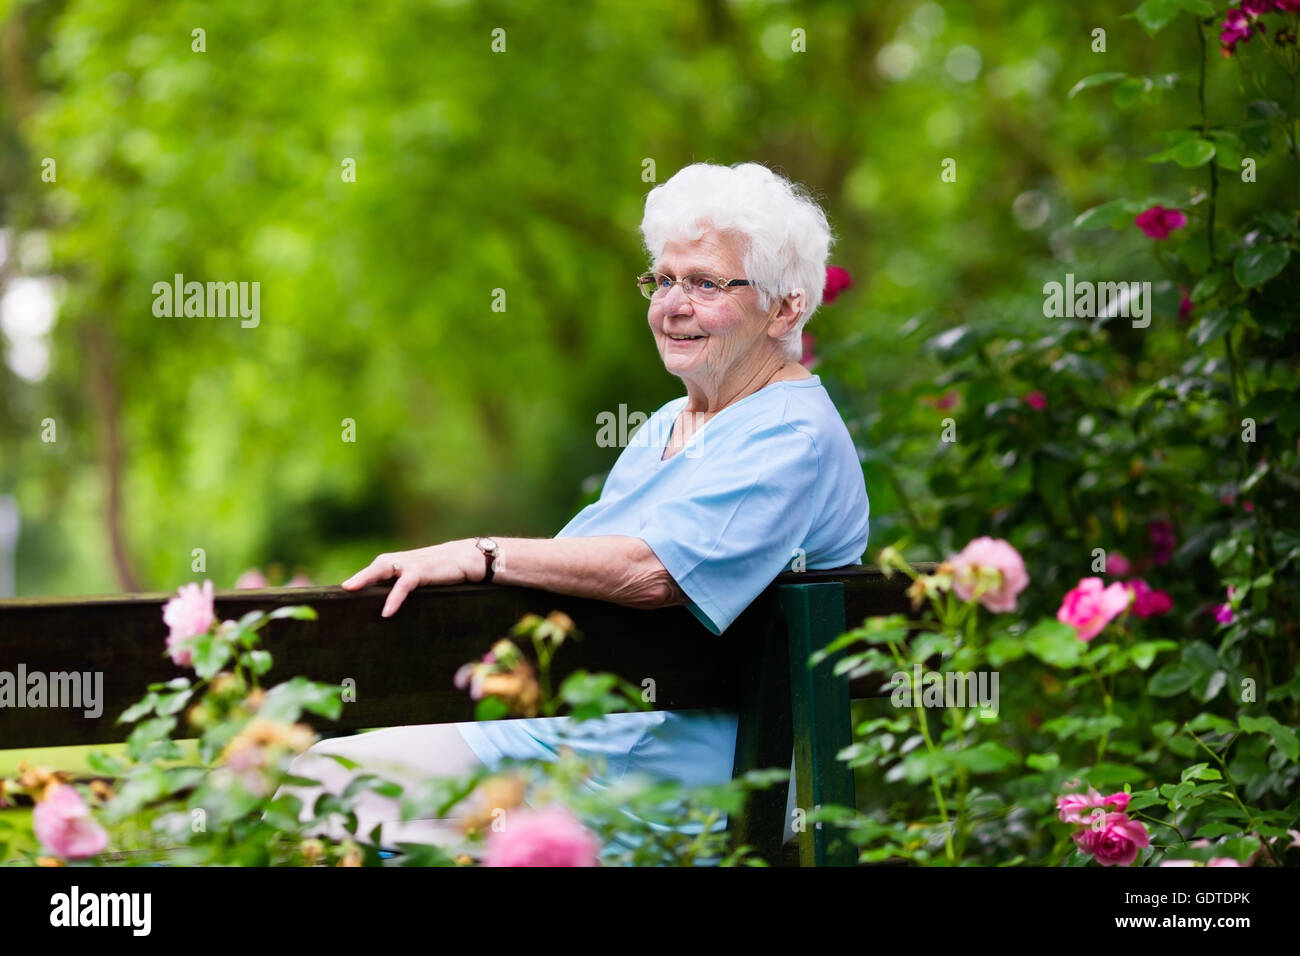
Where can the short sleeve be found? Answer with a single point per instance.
(750, 506)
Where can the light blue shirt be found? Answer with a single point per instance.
(772, 481)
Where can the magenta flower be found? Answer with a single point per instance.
(837, 280)
(1091, 606)
(1118, 565)
(809, 358)
(1158, 222)
(1185, 305)
(1036, 400)
(188, 615)
(551, 836)
(1148, 602)
(1073, 807)
(1115, 842)
(1235, 29)
(995, 564)
(64, 826)
(1223, 613)
(1162, 538)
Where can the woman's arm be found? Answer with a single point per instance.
(616, 568)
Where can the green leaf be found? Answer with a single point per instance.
(301, 612)
(209, 655)
(1218, 829)
(150, 730)
(1107, 774)
(104, 763)
(259, 661)
(169, 704)
(252, 618)
(1189, 154)
(988, 757)
(1213, 324)
(1003, 650)
(1047, 761)
(139, 709)
(285, 702)
(491, 708)
(1096, 79)
(1284, 738)
(1054, 642)
(1257, 265)
(1117, 212)
(1154, 15)
(1208, 285)
(1170, 680)
(1144, 653)
(955, 343)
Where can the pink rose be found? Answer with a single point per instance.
(1115, 842)
(548, 837)
(1091, 606)
(986, 557)
(1073, 807)
(1036, 400)
(1158, 222)
(188, 615)
(299, 581)
(837, 280)
(252, 578)
(1118, 565)
(1148, 602)
(64, 826)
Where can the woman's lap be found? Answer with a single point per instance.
(406, 755)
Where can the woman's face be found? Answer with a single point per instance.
(732, 329)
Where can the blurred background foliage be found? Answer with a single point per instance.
(518, 170)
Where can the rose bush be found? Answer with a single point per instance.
(1154, 473)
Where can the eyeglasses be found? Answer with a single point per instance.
(699, 286)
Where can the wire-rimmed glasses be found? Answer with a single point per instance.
(698, 286)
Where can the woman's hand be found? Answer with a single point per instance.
(451, 562)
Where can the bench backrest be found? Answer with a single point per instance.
(402, 668)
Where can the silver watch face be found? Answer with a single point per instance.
(487, 545)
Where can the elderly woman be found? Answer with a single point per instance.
(751, 468)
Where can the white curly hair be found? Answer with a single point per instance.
(787, 238)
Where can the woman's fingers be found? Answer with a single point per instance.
(407, 583)
(380, 569)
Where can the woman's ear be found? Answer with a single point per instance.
(788, 311)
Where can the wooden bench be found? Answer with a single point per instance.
(403, 667)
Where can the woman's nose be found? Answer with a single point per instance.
(675, 301)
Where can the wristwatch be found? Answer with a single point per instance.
(490, 551)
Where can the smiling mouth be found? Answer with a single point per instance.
(686, 338)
